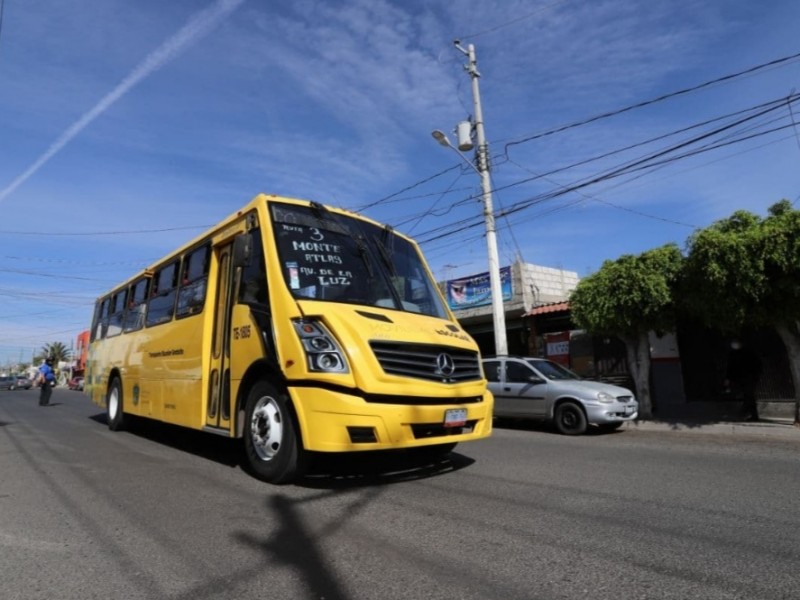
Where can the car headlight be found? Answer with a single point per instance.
(605, 398)
(323, 353)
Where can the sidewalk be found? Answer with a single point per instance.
(771, 427)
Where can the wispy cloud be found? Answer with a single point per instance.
(195, 29)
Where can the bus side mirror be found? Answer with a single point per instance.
(242, 250)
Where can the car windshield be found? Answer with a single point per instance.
(335, 258)
(552, 370)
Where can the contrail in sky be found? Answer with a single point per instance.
(195, 29)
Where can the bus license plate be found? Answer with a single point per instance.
(455, 417)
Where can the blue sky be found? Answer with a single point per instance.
(127, 127)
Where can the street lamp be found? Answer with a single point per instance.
(440, 137)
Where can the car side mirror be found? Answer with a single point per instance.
(535, 379)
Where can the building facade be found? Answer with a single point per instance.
(524, 286)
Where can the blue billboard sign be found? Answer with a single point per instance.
(476, 290)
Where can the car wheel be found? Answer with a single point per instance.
(114, 412)
(272, 445)
(570, 419)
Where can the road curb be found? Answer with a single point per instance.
(772, 428)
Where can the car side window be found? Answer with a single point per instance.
(492, 370)
(517, 373)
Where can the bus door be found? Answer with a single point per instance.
(218, 410)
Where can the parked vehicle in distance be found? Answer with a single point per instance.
(537, 388)
(23, 383)
(76, 383)
(8, 382)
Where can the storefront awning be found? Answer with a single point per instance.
(553, 307)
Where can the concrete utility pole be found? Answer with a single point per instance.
(482, 155)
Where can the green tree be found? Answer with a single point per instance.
(745, 270)
(629, 297)
(57, 350)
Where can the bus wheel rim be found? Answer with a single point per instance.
(113, 403)
(266, 428)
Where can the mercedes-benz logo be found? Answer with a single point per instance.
(445, 365)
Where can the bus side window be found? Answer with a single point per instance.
(162, 301)
(253, 281)
(194, 279)
(137, 304)
(100, 322)
(116, 313)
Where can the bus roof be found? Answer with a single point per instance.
(258, 200)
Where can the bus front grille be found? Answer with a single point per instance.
(427, 361)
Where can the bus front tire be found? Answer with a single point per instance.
(272, 445)
(115, 415)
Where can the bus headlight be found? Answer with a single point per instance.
(323, 354)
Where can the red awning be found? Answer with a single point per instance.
(548, 308)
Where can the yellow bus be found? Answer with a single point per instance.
(297, 328)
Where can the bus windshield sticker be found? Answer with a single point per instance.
(294, 278)
(296, 215)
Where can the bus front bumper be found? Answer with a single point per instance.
(337, 422)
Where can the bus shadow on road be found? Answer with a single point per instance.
(365, 469)
(325, 471)
(222, 450)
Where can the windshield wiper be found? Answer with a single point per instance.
(386, 255)
(364, 254)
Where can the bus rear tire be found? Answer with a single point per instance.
(272, 445)
(114, 414)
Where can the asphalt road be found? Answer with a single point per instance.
(167, 513)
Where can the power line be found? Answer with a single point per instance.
(405, 189)
(773, 104)
(2, 3)
(50, 275)
(96, 233)
(433, 206)
(524, 17)
(644, 103)
(648, 162)
(78, 262)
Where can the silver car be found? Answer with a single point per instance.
(8, 382)
(536, 388)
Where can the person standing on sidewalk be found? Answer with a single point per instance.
(46, 380)
(744, 369)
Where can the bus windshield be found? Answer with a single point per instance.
(336, 258)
